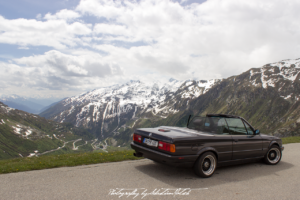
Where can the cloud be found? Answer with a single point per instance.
(66, 65)
(53, 33)
(58, 71)
(110, 29)
(103, 42)
(25, 48)
(231, 36)
(39, 16)
(62, 14)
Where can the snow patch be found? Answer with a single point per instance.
(286, 63)
(28, 132)
(133, 116)
(17, 130)
(71, 110)
(287, 97)
(7, 109)
(188, 83)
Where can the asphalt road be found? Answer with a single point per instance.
(248, 181)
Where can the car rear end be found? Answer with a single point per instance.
(160, 145)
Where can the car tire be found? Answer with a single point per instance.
(206, 165)
(273, 156)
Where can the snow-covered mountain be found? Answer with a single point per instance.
(280, 76)
(106, 109)
(267, 96)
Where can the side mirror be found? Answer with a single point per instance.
(257, 132)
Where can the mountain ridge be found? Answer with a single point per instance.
(119, 103)
(264, 95)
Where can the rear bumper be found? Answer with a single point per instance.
(282, 148)
(183, 160)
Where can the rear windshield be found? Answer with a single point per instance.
(215, 125)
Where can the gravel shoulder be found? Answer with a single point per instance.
(248, 181)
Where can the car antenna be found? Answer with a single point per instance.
(188, 121)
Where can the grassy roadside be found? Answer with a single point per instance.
(63, 160)
(294, 139)
(75, 159)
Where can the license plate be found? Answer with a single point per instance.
(150, 142)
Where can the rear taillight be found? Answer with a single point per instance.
(166, 146)
(137, 138)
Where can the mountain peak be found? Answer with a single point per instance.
(285, 63)
(11, 96)
(172, 80)
(134, 81)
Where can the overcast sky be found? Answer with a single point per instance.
(64, 48)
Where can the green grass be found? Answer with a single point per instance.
(64, 160)
(112, 149)
(11, 144)
(294, 139)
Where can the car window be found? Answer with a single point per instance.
(197, 123)
(236, 126)
(249, 130)
(215, 125)
(222, 127)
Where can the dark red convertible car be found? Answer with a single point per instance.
(207, 142)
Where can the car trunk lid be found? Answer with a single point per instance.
(170, 133)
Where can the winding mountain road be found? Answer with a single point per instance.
(74, 147)
(58, 148)
(106, 181)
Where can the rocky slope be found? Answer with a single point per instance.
(22, 133)
(268, 97)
